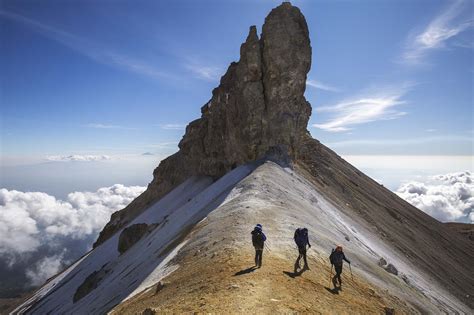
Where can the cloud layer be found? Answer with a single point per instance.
(36, 229)
(77, 157)
(448, 198)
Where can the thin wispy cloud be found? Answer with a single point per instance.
(205, 72)
(77, 158)
(443, 27)
(364, 108)
(321, 86)
(88, 48)
(106, 126)
(163, 145)
(173, 126)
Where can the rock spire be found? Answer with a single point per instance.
(258, 106)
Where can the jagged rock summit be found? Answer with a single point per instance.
(259, 107)
(184, 245)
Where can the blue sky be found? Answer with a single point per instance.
(124, 77)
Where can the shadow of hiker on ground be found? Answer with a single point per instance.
(333, 291)
(293, 274)
(244, 271)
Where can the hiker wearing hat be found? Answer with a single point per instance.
(258, 241)
(301, 240)
(336, 258)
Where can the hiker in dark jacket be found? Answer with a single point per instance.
(258, 241)
(301, 240)
(336, 258)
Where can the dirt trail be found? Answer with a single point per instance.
(226, 283)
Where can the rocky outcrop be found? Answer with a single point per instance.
(131, 235)
(90, 284)
(258, 105)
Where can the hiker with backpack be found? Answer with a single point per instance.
(301, 240)
(258, 241)
(337, 256)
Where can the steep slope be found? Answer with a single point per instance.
(445, 256)
(465, 229)
(185, 266)
(111, 276)
(214, 275)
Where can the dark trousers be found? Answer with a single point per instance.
(258, 257)
(338, 269)
(302, 254)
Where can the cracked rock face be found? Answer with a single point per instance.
(258, 105)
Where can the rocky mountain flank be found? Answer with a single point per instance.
(259, 112)
(258, 106)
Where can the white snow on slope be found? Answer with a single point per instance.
(143, 263)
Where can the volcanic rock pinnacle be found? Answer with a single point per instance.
(258, 106)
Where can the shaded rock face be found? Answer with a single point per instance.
(258, 105)
(464, 229)
(89, 284)
(131, 235)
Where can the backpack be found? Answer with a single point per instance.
(257, 238)
(331, 257)
(300, 238)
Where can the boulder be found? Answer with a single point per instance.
(90, 283)
(130, 235)
(391, 269)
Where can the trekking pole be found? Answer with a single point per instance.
(330, 277)
(267, 247)
(351, 272)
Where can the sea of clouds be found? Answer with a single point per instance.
(40, 234)
(447, 198)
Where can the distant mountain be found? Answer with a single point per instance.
(184, 245)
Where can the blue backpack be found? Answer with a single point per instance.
(300, 237)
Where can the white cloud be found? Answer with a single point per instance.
(210, 73)
(364, 108)
(40, 234)
(88, 48)
(163, 145)
(448, 198)
(29, 220)
(445, 26)
(45, 268)
(77, 158)
(321, 86)
(173, 126)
